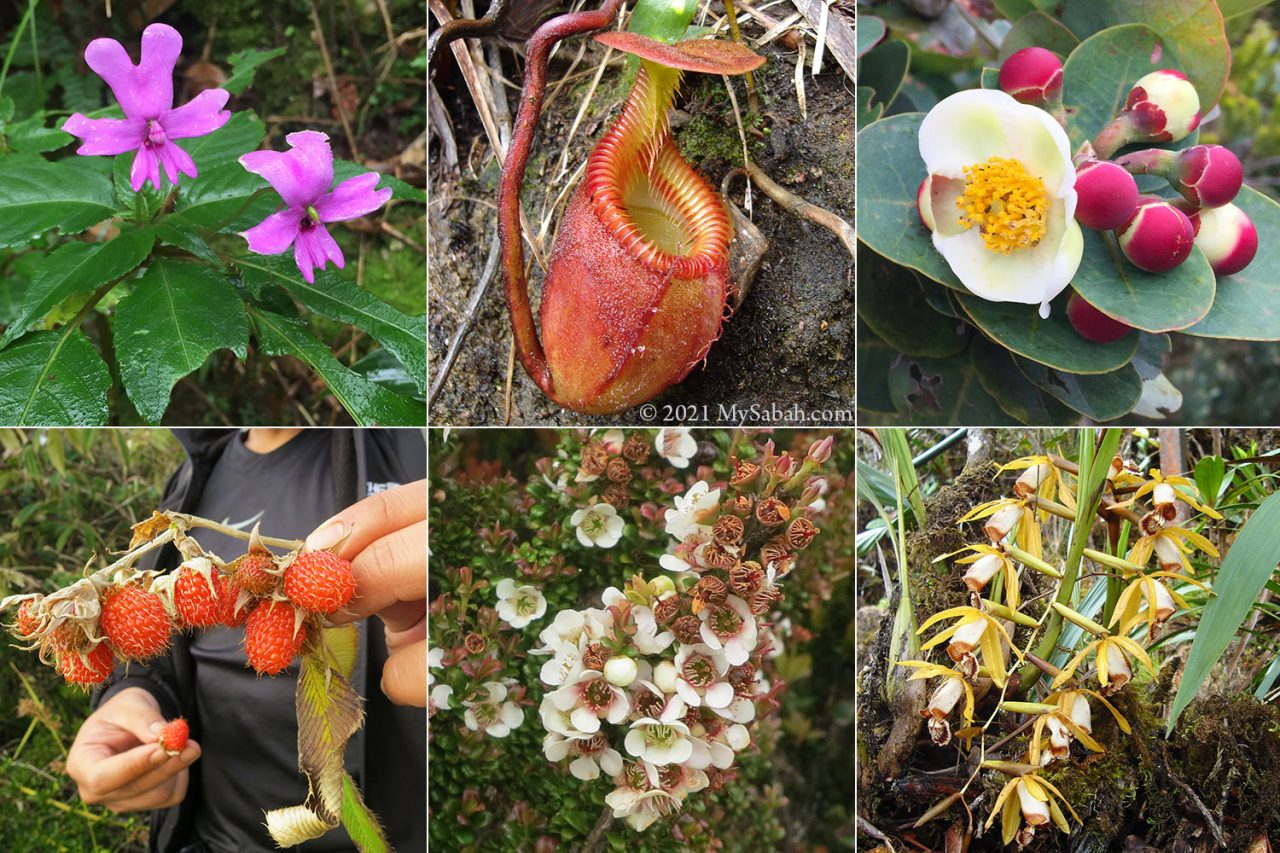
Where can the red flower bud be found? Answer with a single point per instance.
(1208, 175)
(1092, 324)
(1227, 237)
(1164, 106)
(1106, 194)
(1032, 75)
(1158, 237)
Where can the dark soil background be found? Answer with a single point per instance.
(791, 343)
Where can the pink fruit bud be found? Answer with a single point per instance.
(1157, 237)
(1092, 324)
(1032, 75)
(924, 205)
(1227, 237)
(1164, 106)
(1208, 175)
(1106, 195)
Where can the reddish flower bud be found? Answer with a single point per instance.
(820, 451)
(1092, 324)
(1227, 237)
(1164, 106)
(1106, 195)
(1032, 75)
(1158, 237)
(1208, 175)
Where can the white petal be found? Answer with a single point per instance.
(611, 762)
(720, 694)
(512, 715)
(635, 742)
(555, 747)
(584, 768)
(506, 587)
(584, 539)
(585, 721)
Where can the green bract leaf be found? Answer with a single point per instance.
(1102, 397)
(244, 64)
(368, 404)
(1191, 30)
(53, 379)
(1247, 306)
(178, 314)
(1052, 342)
(74, 269)
(337, 297)
(36, 195)
(1161, 302)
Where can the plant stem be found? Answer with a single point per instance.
(17, 37)
(753, 99)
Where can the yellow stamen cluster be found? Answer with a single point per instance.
(1005, 203)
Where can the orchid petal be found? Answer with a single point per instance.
(276, 233)
(353, 198)
(106, 135)
(144, 90)
(201, 115)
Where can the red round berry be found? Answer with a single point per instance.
(1092, 324)
(319, 581)
(1031, 75)
(1106, 195)
(1158, 237)
(135, 621)
(270, 642)
(173, 736)
(1209, 175)
(89, 668)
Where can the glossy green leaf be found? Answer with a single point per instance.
(1036, 29)
(32, 136)
(875, 359)
(1101, 397)
(1052, 342)
(888, 221)
(1233, 8)
(1013, 392)
(53, 379)
(1247, 306)
(891, 303)
(868, 109)
(930, 391)
(339, 298)
(177, 315)
(77, 268)
(227, 197)
(177, 231)
(884, 68)
(1161, 302)
(1210, 473)
(244, 64)
(1191, 30)
(1246, 568)
(368, 404)
(870, 30)
(242, 133)
(36, 195)
(382, 368)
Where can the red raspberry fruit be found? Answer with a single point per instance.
(135, 621)
(27, 623)
(269, 639)
(200, 597)
(173, 737)
(91, 668)
(251, 573)
(319, 581)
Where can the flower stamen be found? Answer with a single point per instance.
(1007, 204)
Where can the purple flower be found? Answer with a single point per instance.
(303, 176)
(145, 93)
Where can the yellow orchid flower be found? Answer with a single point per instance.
(1041, 477)
(1160, 599)
(1069, 702)
(1165, 490)
(944, 697)
(1169, 545)
(984, 563)
(1035, 803)
(1112, 658)
(1002, 515)
(973, 630)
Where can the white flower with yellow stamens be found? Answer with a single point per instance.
(973, 631)
(1003, 515)
(1000, 197)
(1042, 478)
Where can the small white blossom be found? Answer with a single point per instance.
(440, 696)
(731, 627)
(435, 660)
(621, 671)
(663, 739)
(589, 698)
(592, 754)
(683, 520)
(598, 526)
(494, 715)
(519, 605)
(676, 445)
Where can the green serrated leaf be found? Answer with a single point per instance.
(244, 64)
(226, 197)
(368, 404)
(30, 136)
(37, 195)
(53, 379)
(242, 133)
(339, 298)
(359, 820)
(178, 314)
(177, 231)
(1247, 305)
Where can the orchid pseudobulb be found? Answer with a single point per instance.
(639, 277)
(145, 93)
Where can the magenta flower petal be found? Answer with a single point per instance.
(352, 198)
(146, 167)
(175, 160)
(106, 135)
(144, 90)
(202, 114)
(300, 175)
(312, 248)
(276, 233)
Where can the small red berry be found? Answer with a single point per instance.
(1092, 324)
(1032, 75)
(173, 737)
(88, 668)
(1106, 195)
(135, 621)
(319, 581)
(1158, 237)
(27, 623)
(270, 641)
(199, 594)
(1227, 237)
(252, 572)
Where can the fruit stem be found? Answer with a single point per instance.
(1113, 137)
(197, 521)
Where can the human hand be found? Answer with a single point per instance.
(387, 547)
(117, 762)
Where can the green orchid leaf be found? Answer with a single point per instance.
(1195, 41)
(1161, 302)
(1247, 306)
(1051, 342)
(1101, 397)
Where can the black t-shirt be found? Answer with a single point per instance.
(289, 492)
